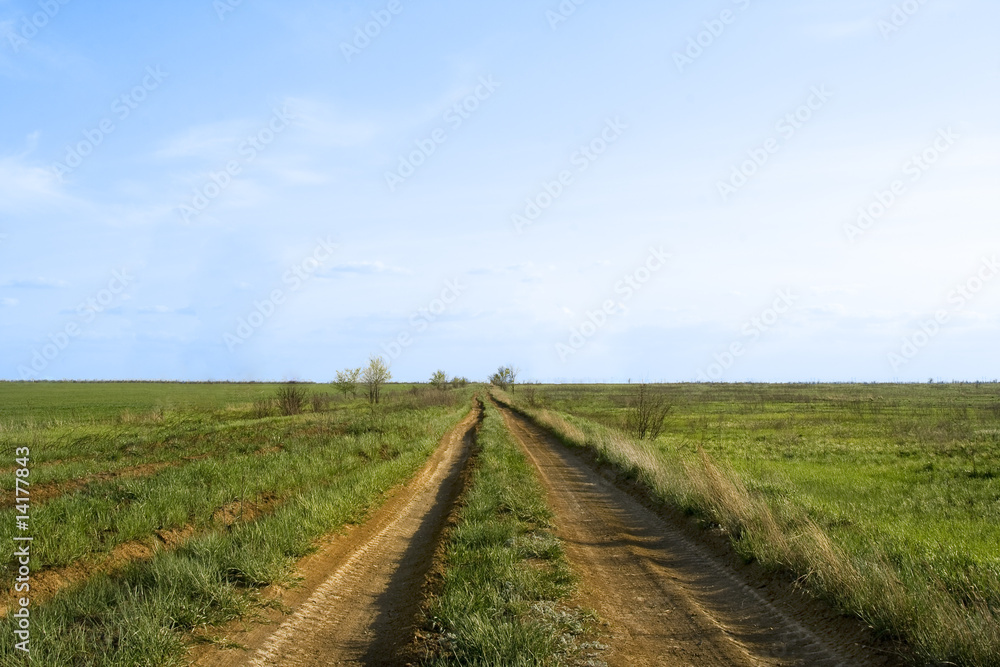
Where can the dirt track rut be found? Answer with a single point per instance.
(363, 591)
(667, 601)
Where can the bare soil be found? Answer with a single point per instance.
(359, 597)
(670, 598)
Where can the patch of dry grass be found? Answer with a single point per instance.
(947, 617)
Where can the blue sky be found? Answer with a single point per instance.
(206, 190)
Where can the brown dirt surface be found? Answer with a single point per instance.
(670, 599)
(359, 598)
(245, 511)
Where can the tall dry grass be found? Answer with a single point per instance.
(901, 598)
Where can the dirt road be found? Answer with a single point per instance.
(667, 600)
(361, 593)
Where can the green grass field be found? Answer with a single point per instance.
(170, 506)
(885, 498)
(244, 495)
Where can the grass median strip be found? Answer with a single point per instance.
(506, 582)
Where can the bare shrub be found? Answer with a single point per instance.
(646, 414)
(292, 399)
(534, 397)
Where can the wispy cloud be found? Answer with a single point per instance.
(369, 268)
(35, 283)
(210, 141)
(324, 125)
(22, 182)
(841, 29)
(165, 310)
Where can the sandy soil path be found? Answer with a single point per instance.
(361, 592)
(667, 600)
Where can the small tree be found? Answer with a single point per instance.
(646, 413)
(374, 376)
(439, 380)
(505, 377)
(347, 381)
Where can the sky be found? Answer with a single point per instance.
(730, 190)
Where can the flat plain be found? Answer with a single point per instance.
(194, 523)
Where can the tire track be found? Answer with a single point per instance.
(365, 611)
(668, 602)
